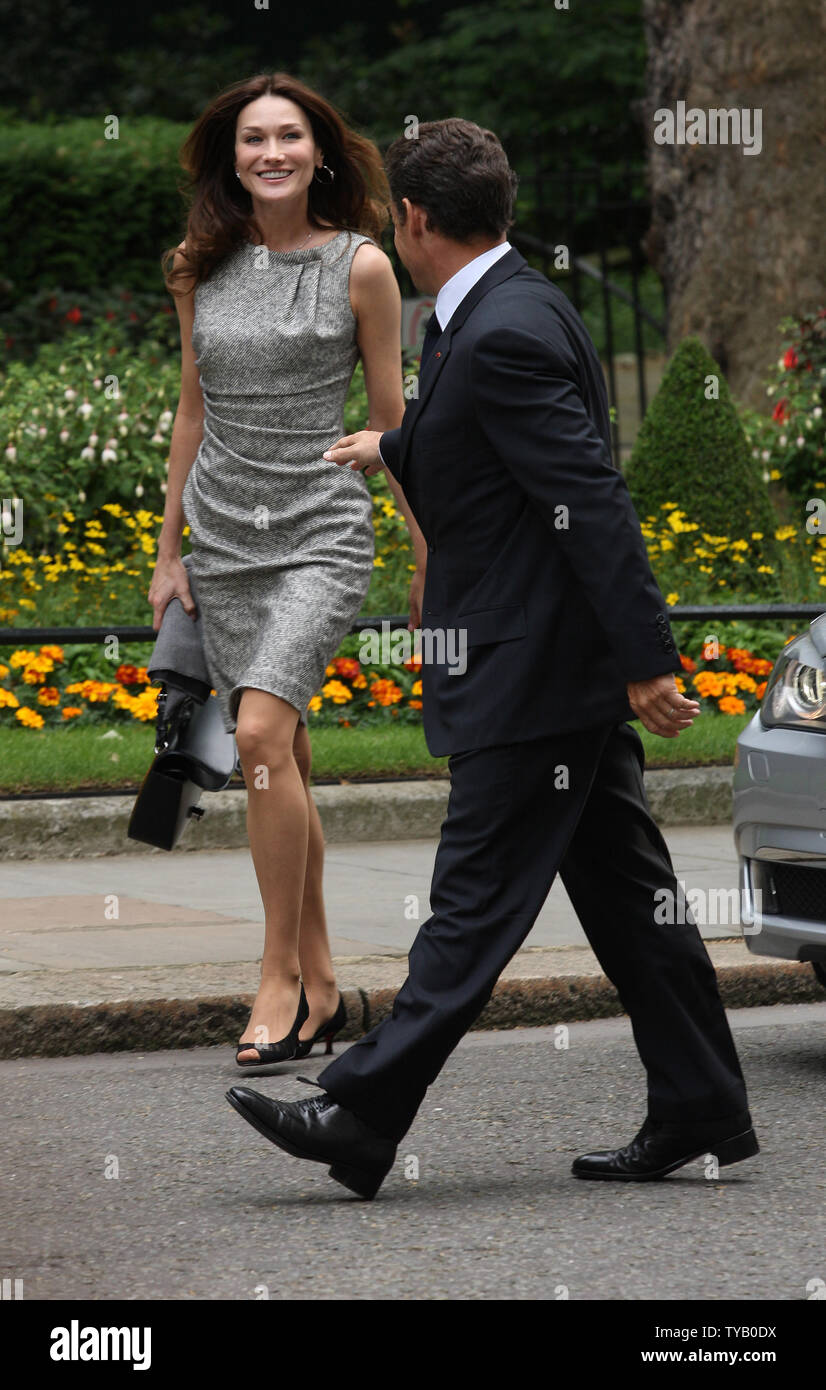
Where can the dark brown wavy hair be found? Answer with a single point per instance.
(220, 209)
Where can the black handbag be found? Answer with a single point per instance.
(193, 753)
(193, 750)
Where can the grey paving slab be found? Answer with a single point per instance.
(205, 907)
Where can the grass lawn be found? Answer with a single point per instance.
(78, 758)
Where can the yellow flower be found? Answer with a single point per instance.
(29, 718)
(315, 704)
(8, 700)
(671, 599)
(337, 692)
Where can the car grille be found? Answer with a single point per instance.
(800, 892)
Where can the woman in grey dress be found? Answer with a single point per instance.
(280, 286)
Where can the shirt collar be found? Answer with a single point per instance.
(454, 290)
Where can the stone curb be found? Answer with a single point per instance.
(146, 1025)
(71, 827)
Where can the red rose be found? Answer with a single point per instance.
(790, 359)
(74, 315)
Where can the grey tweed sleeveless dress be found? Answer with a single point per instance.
(282, 540)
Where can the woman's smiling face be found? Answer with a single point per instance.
(273, 136)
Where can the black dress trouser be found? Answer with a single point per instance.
(515, 817)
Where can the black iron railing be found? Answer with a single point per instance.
(82, 636)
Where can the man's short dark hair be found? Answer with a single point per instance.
(459, 174)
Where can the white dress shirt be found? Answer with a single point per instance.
(454, 290)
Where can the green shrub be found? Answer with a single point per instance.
(691, 450)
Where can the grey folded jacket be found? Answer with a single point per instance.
(178, 648)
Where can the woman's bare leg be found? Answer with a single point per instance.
(278, 828)
(313, 945)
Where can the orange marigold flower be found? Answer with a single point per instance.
(414, 664)
(127, 675)
(415, 704)
(8, 698)
(359, 682)
(71, 711)
(730, 704)
(347, 666)
(56, 653)
(49, 695)
(760, 690)
(688, 664)
(387, 692)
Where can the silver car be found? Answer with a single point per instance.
(780, 808)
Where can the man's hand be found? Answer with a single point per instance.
(359, 450)
(661, 707)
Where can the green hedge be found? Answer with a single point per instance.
(82, 212)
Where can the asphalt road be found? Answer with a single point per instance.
(204, 1207)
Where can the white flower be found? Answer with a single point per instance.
(755, 453)
(769, 390)
(817, 412)
(157, 439)
(87, 453)
(81, 497)
(782, 441)
(62, 367)
(85, 409)
(11, 453)
(108, 456)
(800, 441)
(124, 430)
(808, 425)
(780, 363)
(64, 435)
(97, 382)
(42, 431)
(139, 490)
(69, 393)
(163, 487)
(766, 476)
(165, 420)
(766, 455)
(124, 415)
(93, 439)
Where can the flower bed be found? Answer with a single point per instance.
(37, 689)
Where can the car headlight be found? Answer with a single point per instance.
(795, 695)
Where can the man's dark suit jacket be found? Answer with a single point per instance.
(534, 546)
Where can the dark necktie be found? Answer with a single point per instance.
(431, 333)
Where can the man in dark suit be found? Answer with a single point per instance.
(535, 554)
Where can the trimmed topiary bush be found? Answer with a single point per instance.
(691, 450)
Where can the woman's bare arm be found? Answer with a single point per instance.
(169, 579)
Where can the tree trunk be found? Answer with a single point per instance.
(739, 238)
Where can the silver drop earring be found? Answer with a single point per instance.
(330, 171)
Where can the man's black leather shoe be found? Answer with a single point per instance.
(655, 1152)
(324, 1132)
